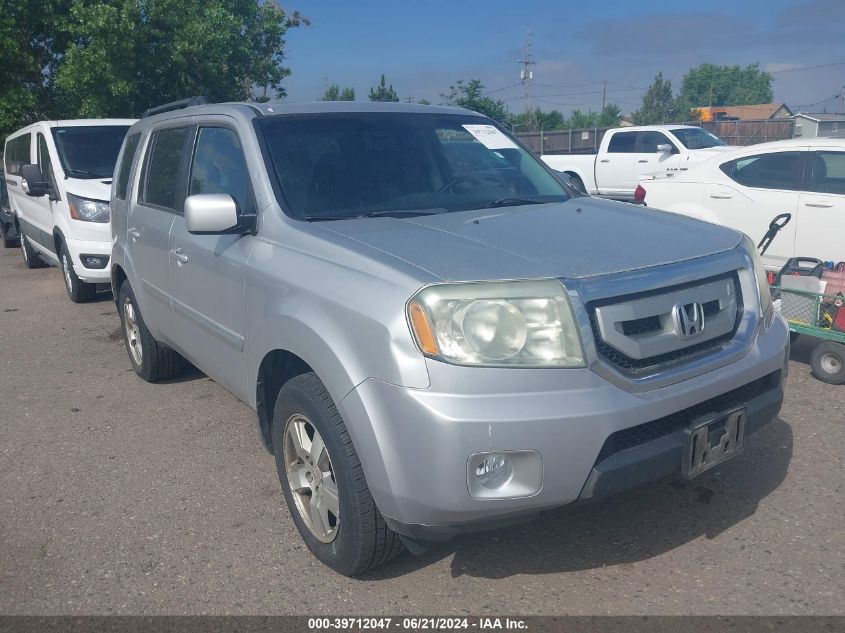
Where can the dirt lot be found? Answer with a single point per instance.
(118, 496)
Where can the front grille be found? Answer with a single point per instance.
(639, 329)
(644, 433)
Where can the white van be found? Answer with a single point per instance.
(59, 176)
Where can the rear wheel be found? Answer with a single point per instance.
(30, 256)
(323, 481)
(8, 242)
(577, 183)
(78, 290)
(151, 360)
(828, 362)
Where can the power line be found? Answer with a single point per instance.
(792, 70)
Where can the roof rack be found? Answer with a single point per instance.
(176, 105)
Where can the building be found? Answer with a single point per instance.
(756, 112)
(811, 125)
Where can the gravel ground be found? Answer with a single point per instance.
(122, 497)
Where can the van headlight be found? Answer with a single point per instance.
(764, 295)
(88, 210)
(512, 323)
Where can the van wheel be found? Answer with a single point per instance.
(151, 360)
(78, 290)
(30, 256)
(323, 482)
(828, 362)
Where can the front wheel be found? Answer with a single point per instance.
(30, 256)
(828, 362)
(323, 481)
(77, 290)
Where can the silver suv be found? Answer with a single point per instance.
(436, 333)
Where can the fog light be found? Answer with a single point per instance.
(94, 261)
(494, 471)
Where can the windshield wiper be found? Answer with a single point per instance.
(384, 213)
(513, 202)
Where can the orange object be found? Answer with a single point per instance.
(422, 329)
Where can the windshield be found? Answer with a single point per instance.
(696, 138)
(89, 151)
(339, 166)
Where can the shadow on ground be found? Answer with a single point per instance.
(626, 529)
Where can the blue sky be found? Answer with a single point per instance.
(423, 47)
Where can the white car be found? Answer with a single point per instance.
(59, 176)
(628, 153)
(746, 188)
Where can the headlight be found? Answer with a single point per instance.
(88, 210)
(763, 292)
(513, 323)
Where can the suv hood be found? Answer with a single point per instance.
(582, 237)
(91, 188)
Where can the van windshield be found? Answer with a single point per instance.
(89, 151)
(348, 165)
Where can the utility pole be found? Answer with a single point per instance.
(526, 75)
(603, 95)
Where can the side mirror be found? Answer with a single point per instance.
(32, 182)
(215, 214)
(665, 148)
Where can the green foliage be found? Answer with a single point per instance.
(470, 95)
(424, 102)
(554, 120)
(335, 93)
(659, 105)
(97, 58)
(708, 84)
(383, 92)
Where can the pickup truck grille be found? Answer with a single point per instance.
(646, 332)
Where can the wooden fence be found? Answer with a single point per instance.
(587, 140)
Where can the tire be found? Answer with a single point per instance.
(793, 336)
(31, 259)
(828, 362)
(577, 183)
(8, 242)
(77, 290)
(361, 539)
(151, 360)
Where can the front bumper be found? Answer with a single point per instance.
(90, 247)
(414, 444)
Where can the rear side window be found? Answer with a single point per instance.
(126, 165)
(220, 167)
(161, 176)
(622, 143)
(828, 173)
(778, 170)
(17, 154)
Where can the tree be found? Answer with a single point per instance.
(610, 116)
(383, 92)
(335, 93)
(99, 58)
(539, 120)
(470, 95)
(708, 84)
(659, 106)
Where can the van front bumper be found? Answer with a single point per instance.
(98, 249)
(594, 438)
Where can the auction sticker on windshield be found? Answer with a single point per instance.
(490, 136)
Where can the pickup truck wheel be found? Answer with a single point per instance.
(151, 360)
(30, 256)
(323, 482)
(828, 362)
(577, 183)
(78, 290)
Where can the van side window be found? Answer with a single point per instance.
(777, 170)
(44, 162)
(828, 173)
(17, 154)
(126, 166)
(220, 167)
(161, 175)
(622, 143)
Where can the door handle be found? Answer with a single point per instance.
(604, 160)
(643, 161)
(721, 196)
(819, 205)
(180, 256)
(134, 233)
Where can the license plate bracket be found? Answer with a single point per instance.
(713, 440)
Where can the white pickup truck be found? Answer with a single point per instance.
(627, 155)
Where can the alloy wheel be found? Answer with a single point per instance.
(311, 478)
(133, 334)
(66, 270)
